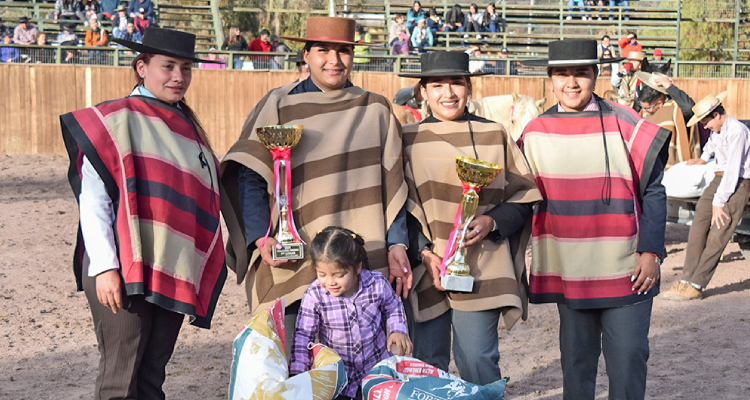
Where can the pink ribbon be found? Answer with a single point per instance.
(284, 154)
(452, 242)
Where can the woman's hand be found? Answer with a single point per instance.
(266, 251)
(646, 273)
(402, 342)
(399, 270)
(479, 227)
(109, 289)
(433, 263)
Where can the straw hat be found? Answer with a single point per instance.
(329, 30)
(636, 55)
(649, 78)
(571, 53)
(704, 107)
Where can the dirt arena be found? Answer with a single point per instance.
(699, 349)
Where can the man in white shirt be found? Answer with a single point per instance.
(721, 206)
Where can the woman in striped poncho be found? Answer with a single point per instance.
(497, 236)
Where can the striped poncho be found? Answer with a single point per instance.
(167, 229)
(347, 170)
(682, 147)
(435, 192)
(583, 249)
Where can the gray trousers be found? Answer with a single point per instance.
(475, 342)
(135, 346)
(706, 243)
(621, 333)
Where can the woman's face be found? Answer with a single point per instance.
(41, 40)
(167, 78)
(93, 24)
(330, 64)
(606, 54)
(447, 96)
(573, 86)
(235, 31)
(416, 7)
(472, 9)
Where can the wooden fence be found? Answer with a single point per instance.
(35, 95)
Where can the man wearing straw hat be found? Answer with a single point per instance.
(721, 205)
(347, 171)
(664, 104)
(598, 233)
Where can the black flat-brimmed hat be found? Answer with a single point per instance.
(443, 63)
(167, 42)
(23, 20)
(571, 53)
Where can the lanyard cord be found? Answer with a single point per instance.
(607, 187)
(473, 144)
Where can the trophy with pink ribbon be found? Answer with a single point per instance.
(474, 175)
(280, 139)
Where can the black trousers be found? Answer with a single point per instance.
(135, 346)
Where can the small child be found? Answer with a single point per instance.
(345, 307)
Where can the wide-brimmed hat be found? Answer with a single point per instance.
(23, 20)
(648, 79)
(704, 107)
(121, 7)
(69, 26)
(636, 55)
(571, 53)
(443, 63)
(167, 42)
(329, 30)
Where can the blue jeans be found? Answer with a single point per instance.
(492, 28)
(618, 3)
(581, 4)
(474, 343)
(622, 333)
(236, 62)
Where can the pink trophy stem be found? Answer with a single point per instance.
(284, 154)
(452, 242)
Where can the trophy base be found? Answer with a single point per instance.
(453, 283)
(289, 251)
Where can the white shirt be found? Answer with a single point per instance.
(731, 148)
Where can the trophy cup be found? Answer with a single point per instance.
(475, 174)
(280, 139)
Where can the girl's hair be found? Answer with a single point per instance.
(233, 34)
(146, 57)
(415, 3)
(341, 246)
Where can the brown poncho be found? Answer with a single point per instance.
(435, 192)
(347, 170)
(682, 147)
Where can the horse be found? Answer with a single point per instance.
(513, 110)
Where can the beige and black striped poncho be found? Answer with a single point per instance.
(347, 170)
(435, 192)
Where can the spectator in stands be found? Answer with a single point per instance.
(65, 9)
(592, 4)
(147, 6)
(606, 44)
(472, 21)
(8, 54)
(501, 66)
(141, 22)
(24, 32)
(235, 42)
(421, 37)
(657, 55)
(109, 9)
(491, 19)
(454, 19)
(401, 46)
(95, 36)
(396, 27)
(581, 4)
(261, 44)
(278, 47)
(4, 28)
(626, 82)
(361, 35)
(629, 43)
(414, 15)
(68, 38)
(88, 9)
(130, 33)
(433, 22)
(475, 66)
(606, 69)
(120, 20)
(212, 65)
(41, 55)
(619, 3)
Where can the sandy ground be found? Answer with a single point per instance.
(699, 349)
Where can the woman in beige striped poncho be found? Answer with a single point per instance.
(498, 234)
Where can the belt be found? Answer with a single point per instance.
(720, 173)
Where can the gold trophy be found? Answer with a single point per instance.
(280, 139)
(475, 174)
